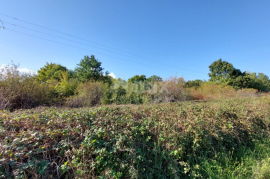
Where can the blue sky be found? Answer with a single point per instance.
(164, 38)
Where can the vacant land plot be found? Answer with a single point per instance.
(215, 139)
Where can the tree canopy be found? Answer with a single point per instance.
(89, 68)
(137, 79)
(193, 83)
(220, 70)
(154, 78)
(50, 71)
(224, 72)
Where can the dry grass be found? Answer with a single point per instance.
(209, 91)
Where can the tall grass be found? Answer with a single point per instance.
(212, 90)
(245, 163)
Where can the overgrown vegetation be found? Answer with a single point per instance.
(216, 139)
(88, 85)
(220, 131)
(19, 90)
(224, 72)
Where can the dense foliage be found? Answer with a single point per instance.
(170, 140)
(194, 84)
(224, 72)
(220, 71)
(22, 90)
(90, 68)
(50, 71)
(89, 85)
(222, 138)
(137, 79)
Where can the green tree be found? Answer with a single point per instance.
(193, 83)
(154, 78)
(51, 71)
(241, 81)
(90, 68)
(265, 81)
(220, 71)
(137, 79)
(224, 72)
(121, 91)
(66, 86)
(106, 78)
(260, 81)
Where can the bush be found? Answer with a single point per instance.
(67, 86)
(214, 90)
(171, 90)
(89, 94)
(122, 92)
(22, 90)
(193, 84)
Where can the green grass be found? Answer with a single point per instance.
(215, 139)
(246, 163)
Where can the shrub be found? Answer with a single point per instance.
(50, 71)
(214, 90)
(140, 92)
(171, 90)
(89, 94)
(193, 84)
(67, 86)
(122, 92)
(22, 90)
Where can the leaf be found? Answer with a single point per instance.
(42, 166)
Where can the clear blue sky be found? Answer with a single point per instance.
(170, 35)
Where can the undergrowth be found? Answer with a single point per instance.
(215, 139)
(247, 162)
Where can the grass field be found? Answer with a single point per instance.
(214, 139)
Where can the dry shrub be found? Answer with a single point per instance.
(171, 90)
(88, 94)
(247, 93)
(209, 90)
(21, 90)
(195, 95)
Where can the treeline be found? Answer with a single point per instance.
(89, 85)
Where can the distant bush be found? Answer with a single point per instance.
(88, 85)
(215, 90)
(224, 72)
(211, 90)
(67, 86)
(248, 92)
(171, 90)
(193, 84)
(51, 71)
(88, 94)
(122, 92)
